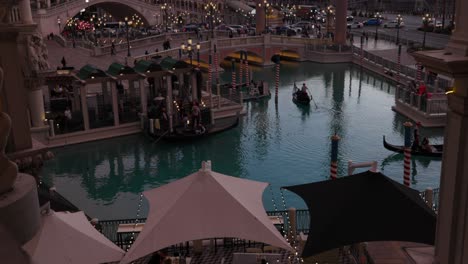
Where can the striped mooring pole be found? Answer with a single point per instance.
(399, 64)
(407, 153)
(216, 65)
(233, 61)
(334, 156)
(277, 79)
(247, 80)
(210, 77)
(418, 73)
(241, 67)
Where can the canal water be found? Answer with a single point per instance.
(283, 145)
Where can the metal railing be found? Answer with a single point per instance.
(436, 105)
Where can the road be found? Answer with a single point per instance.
(409, 31)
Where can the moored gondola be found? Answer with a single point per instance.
(437, 153)
(181, 134)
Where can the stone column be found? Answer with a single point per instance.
(193, 81)
(143, 98)
(25, 11)
(36, 107)
(259, 17)
(169, 100)
(340, 22)
(459, 39)
(115, 103)
(84, 106)
(14, 95)
(452, 224)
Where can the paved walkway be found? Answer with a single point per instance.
(386, 49)
(393, 252)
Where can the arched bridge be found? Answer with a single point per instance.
(260, 48)
(47, 17)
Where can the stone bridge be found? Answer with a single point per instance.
(47, 17)
(260, 48)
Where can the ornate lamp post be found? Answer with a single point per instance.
(164, 8)
(212, 15)
(426, 19)
(189, 49)
(377, 25)
(399, 19)
(58, 23)
(265, 5)
(329, 17)
(127, 22)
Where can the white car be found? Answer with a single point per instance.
(393, 24)
(355, 25)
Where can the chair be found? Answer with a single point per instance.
(270, 249)
(253, 250)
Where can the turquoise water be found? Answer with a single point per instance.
(283, 145)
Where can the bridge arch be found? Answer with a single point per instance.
(47, 19)
(288, 54)
(252, 55)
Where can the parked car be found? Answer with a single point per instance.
(225, 28)
(355, 24)
(302, 24)
(238, 28)
(190, 28)
(349, 18)
(373, 22)
(393, 24)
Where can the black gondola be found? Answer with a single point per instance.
(181, 134)
(437, 153)
(300, 97)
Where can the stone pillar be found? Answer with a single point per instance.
(36, 107)
(193, 81)
(340, 22)
(458, 41)
(105, 93)
(452, 223)
(259, 17)
(84, 106)
(25, 11)
(143, 98)
(48, 3)
(14, 95)
(115, 104)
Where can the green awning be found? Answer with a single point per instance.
(144, 66)
(90, 72)
(169, 63)
(116, 69)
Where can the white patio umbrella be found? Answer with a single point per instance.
(68, 238)
(204, 205)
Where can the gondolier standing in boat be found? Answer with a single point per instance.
(304, 88)
(416, 146)
(195, 115)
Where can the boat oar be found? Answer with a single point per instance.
(157, 140)
(311, 97)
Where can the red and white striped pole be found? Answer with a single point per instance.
(216, 65)
(210, 77)
(407, 153)
(233, 61)
(247, 80)
(334, 157)
(241, 67)
(418, 73)
(399, 64)
(277, 79)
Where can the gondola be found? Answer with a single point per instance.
(301, 98)
(180, 134)
(438, 150)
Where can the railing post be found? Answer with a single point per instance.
(218, 90)
(292, 224)
(51, 128)
(429, 195)
(151, 126)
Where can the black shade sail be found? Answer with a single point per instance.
(362, 207)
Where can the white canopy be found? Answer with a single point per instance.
(67, 238)
(204, 205)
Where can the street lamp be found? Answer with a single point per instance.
(165, 7)
(377, 24)
(189, 49)
(399, 19)
(58, 23)
(128, 42)
(329, 17)
(212, 12)
(426, 19)
(265, 5)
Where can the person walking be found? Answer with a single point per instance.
(112, 49)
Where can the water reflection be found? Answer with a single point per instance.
(279, 143)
